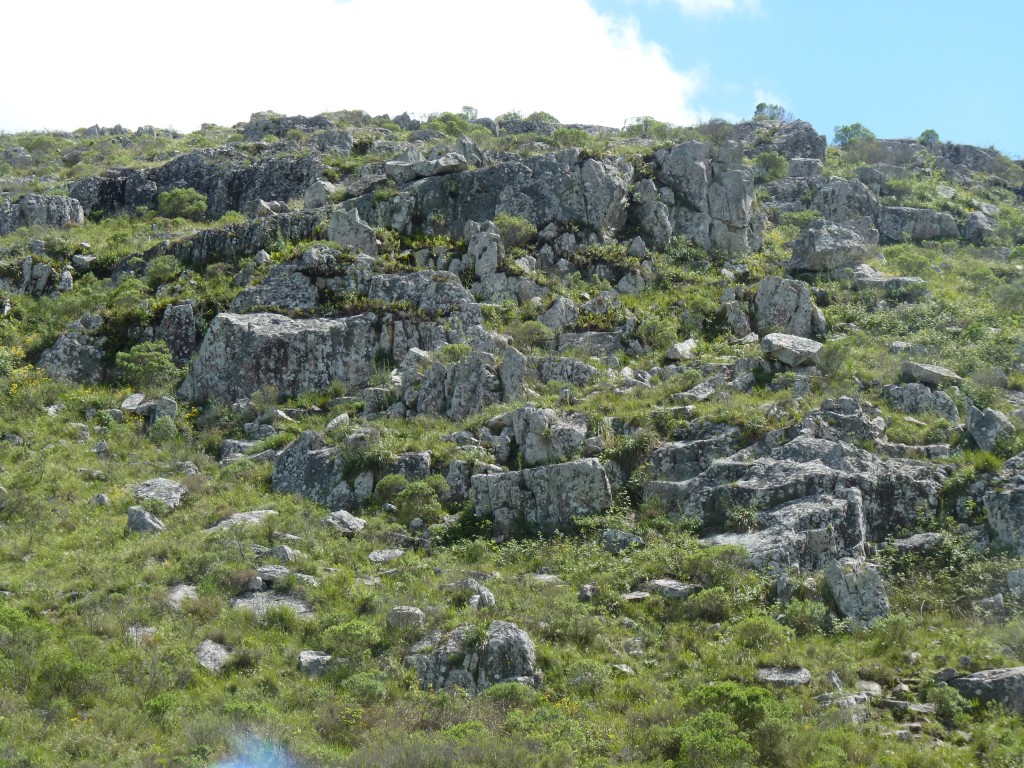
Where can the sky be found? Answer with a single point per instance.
(897, 66)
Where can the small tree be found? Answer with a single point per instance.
(929, 138)
(847, 135)
(148, 365)
(765, 111)
(183, 203)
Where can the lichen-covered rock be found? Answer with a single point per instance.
(405, 616)
(1004, 504)
(349, 231)
(784, 676)
(988, 427)
(544, 498)
(461, 659)
(793, 351)
(713, 195)
(168, 492)
(74, 357)
(314, 663)
(899, 224)
(785, 306)
(178, 331)
(542, 437)
(857, 590)
(932, 375)
(919, 398)
(213, 656)
(825, 246)
(849, 203)
(804, 485)
(34, 210)
(284, 288)
(141, 521)
(1004, 686)
(345, 522)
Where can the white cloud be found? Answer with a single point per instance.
(705, 8)
(192, 61)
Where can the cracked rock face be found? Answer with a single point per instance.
(544, 498)
(460, 659)
(1005, 686)
(857, 590)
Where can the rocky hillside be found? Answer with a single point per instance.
(505, 442)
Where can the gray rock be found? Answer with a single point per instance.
(314, 663)
(898, 224)
(560, 315)
(480, 597)
(541, 437)
(919, 398)
(34, 210)
(255, 517)
(380, 556)
(619, 541)
(736, 318)
(284, 288)
(1015, 582)
(932, 375)
(793, 351)
(917, 544)
(988, 427)
(178, 331)
(179, 594)
(867, 277)
(803, 167)
(849, 203)
(141, 521)
(213, 656)
(784, 676)
(170, 493)
(547, 498)
(318, 194)
(979, 228)
(684, 350)
(671, 589)
(349, 231)
(825, 246)
(1004, 686)
(1003, 501)
(785, 306)
(713, 194)
(258, 603)
(74, 357)
(346, 523)
(405, 616)
(857, 590)
(461, 660)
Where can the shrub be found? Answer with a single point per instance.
(353, 638)
(148, 365)
(847, 135)
(421, 499)
(183, 203)
(389, 487)
(761, 633)
(530, 334)
(929, 137)
(777, 112)
(516, 232)
(712, 604)
(770, 167)
(806, 617)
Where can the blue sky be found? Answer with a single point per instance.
(899, 67)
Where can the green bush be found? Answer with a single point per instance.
(182, 203)
(149, 366)
(847, 135)
(389, 487)
(421, 499)
(516, 232)
(806, 617)
(712, 604)
(531, 334)
(771, 166)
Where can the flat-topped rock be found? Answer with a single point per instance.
(932, 375)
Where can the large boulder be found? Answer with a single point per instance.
(543, 437)
(899, 224)
(1004, 504)
(74, 357)
(713, 195)
(39, 211)
(461, 659)
(857, 590)
(792, 351)
(849, 203)
(178, 331)
(546, 499)
(988, 427)
(825, 246)
(785, 306)
(919, 398)
(1004, 686)
(348, 230)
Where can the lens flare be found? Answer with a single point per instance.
(252, 752)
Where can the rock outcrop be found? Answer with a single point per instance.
(461, 659)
